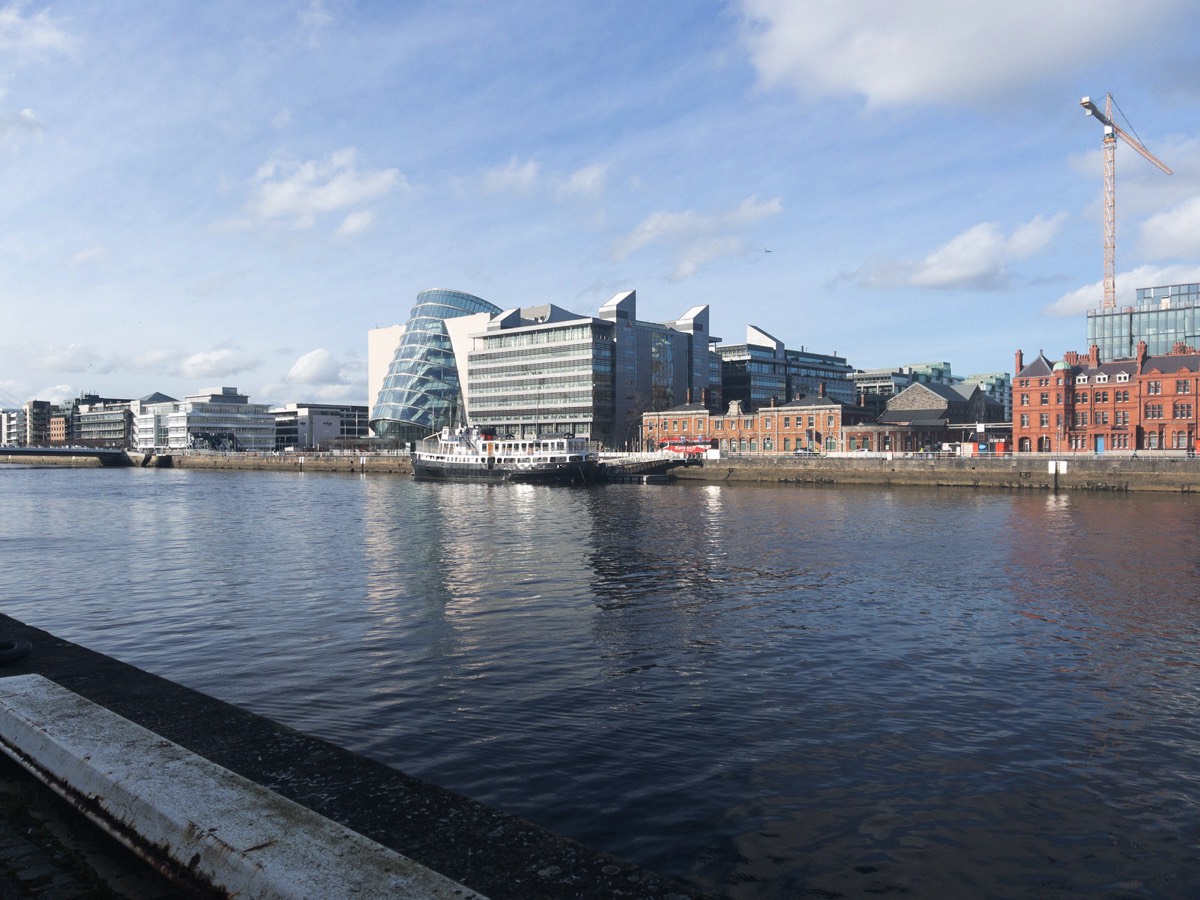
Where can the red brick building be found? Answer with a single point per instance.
(808, 423)
(1080, 404)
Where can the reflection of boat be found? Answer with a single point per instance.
(473, 454)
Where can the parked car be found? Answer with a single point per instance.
(804, 451)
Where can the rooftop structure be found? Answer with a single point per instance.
(1162, 316)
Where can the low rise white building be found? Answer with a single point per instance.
(220, 419)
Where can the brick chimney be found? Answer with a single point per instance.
(821, 390)
(1019, 363)
(1141, 355)
(1094, 356)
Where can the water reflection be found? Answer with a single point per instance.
(772, 691)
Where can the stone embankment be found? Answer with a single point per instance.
(1164, 472)
(374, 463)
(1042, 472)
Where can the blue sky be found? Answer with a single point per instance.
(222, 193)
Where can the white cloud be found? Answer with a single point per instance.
(31, 34)
(152, 359)
(356, 222)
(88, 255)
(300, 191)
(936, 50)
(977, 259)
(315, 367)
(1090, 296)
(217, 363)
(514, 178)
(696, 237)
(23, 124)
(71, 358)
(585, 182)
(1174, 233)
(315, 17)
(322, 378)
(57, 393)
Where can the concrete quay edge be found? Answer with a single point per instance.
(195, 821)
(1159, 474)
(484, 850)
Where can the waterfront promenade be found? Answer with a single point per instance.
(490, 852)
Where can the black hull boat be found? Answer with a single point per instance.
(472, 454)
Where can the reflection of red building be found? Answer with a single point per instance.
(1080, 404)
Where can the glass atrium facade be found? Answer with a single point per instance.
(1163, 317)
(421, 393)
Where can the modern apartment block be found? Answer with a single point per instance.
(12, 427)
(1164, 317)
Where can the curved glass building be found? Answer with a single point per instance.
(421, 392)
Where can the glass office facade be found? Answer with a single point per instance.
(552, 377)
(421, 393)
(1162, 317)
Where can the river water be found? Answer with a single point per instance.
(768, 691)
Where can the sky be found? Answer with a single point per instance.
(229, 194)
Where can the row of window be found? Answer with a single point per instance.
(747, 424)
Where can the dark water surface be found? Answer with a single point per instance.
(769, 691)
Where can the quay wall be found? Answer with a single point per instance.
(1168, 474)
(1158, 472)
(372, 463)
(491, 852)
(65, 461)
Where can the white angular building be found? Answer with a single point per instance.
(220, 419)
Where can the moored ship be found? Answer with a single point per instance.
(474, 454)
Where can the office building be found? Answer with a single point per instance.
(1165, 317)
(421, 392)
(325, 426)
(220, 419)
(539, 368)
(762, 371)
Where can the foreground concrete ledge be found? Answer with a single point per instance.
(484, 849)
(196, 821)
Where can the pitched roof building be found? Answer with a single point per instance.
(1080, 403)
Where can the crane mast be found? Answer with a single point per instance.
(1111, 130)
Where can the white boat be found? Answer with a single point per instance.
(474, 454)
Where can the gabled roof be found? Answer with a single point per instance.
(158, 397)
(1038, 368)
(1171, 363)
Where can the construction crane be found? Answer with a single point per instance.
(1111, 130)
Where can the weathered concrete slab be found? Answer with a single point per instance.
(484, 849)
(191, 817)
